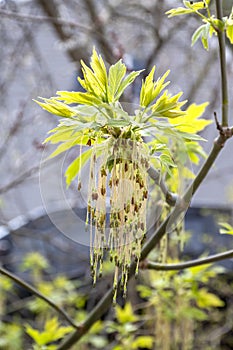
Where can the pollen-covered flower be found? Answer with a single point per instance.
(121, 175)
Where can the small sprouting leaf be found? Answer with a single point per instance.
(116, 74)
(52, 332)
(168, 106)
(125, 314)
(143, 341)
(190, 7)
(150, 89)
(207, 300)
(34, 334)
(194, 313)
(178, 12)
(198, 32)
(226, 229)
(84, 98)
(126, 82)
(74, 168)
(99, 69)
(191, 122)
(95, 79)
(191, 137)
(69, 144)
(199, 5)
(144, 291)
(229, 30)
(55, 107)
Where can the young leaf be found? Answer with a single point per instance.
(55, 107)
(99, 69)
(207, 300)
(74, 168)
(191, 121)
(125, 314)
(81, 140)
(150, 89)
(199, 5)
(229, 32)
(178, 12)
(143, 341)
(83, 98)
(61, 134)
(226, 229)
(198, 32)
(116, 74)
(126, 82)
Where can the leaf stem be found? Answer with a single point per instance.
(181, 266)
(223, 65)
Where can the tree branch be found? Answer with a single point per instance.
(55, 20)
(24, 176)
(99, 31)
(51, 9)
(171, 198)
(217, 147)
(181, 266)
(35, 292)
(223, 66)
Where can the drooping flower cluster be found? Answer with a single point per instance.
(120, 176)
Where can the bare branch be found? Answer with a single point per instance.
(35, 292)
(171, 198)
(99, 31)
(21, 178)
(223, 66)
(12, 131)
(181, 266)
(58, 21)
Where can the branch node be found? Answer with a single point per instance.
(218, 125)
(143, 265)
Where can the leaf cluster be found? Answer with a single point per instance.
(211, 24)
(91, 119)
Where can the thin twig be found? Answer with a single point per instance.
(181, 266)
(33, 170)
(171, 198)
(25, 17)
(35, 292)
(223, 66)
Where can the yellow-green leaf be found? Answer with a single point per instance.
(126, 82)
(178, 12)
(125, 314)
(143, 341)
(74, 168)
(226, 229)
(69, 144)
(207, 300)
(229, 33)
(199, 5)
(190, 122)
(79, 97)
(150, 89)
(116, 74)
(55, 107)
